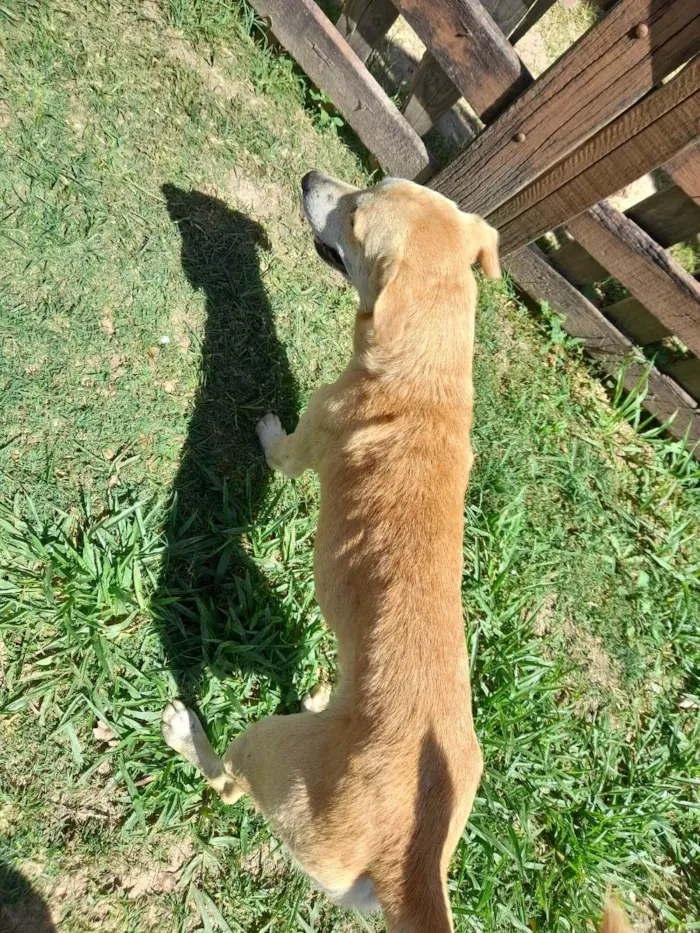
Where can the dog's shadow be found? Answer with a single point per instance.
(215, 610)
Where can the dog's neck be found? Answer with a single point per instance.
(421, 339)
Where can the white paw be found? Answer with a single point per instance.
(317, 700)
(269, 429)
(180, 727)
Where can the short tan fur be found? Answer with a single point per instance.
(371, 786)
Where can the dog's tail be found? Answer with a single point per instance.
(614, 919)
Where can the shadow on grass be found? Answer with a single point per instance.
(217, 614)
(22, 909)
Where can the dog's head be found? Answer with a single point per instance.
(401, 245)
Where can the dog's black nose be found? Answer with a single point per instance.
(307, 180)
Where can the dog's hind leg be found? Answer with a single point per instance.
(183, 732)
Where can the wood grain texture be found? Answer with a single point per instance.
(506, 14)
(684, 169)
(328, 60)
(668, 216)
(430, 95)
(602, 340)
(603, 74)
(639, 324)
(646, 135)
(364, 23)
(533, 16)
(472, 50)
(687, 374)
(664, 288)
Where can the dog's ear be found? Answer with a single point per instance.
(484, 239)
(488, 251)
(388, 310)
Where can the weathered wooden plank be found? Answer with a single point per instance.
(572, 260)
(644, 269)
(364, 23)
(687, 374)
(601, 339)
(668, 216)
(331, 64)
(430, 95)
(533, 16)
(645, 136)
(472, 50)
(684, 169)
(639, 324)
(605, 72)
(506, 14)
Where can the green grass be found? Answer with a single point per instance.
(149, 188)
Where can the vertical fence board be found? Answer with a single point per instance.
(663, 287)
(329, 61)
(472, 50)
(430, 95)
(364, 23)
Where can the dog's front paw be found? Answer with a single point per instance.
(180, 727)
(269, 430)
(317, 699)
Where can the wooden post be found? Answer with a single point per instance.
(610, 68)
(467, 56)
(364, 23)
(430, 95)
(332, 65)
(642, 138)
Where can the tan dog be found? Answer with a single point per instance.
(371, 789)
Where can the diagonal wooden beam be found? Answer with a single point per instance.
(310, 37)
(645, 136)
(630, 254)
(602, 340)
(611, 67)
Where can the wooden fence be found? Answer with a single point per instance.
(623, 101)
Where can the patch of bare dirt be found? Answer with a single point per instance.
(31, 915)
(180, 50)
(544, 618)
(533, 52)
(267, 860)
(157, 879)
(601, 673)
(264, 200)
(84, 888)
(5, 115)
(107, 322)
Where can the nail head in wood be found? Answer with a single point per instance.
(520, 137)
(642, 31)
